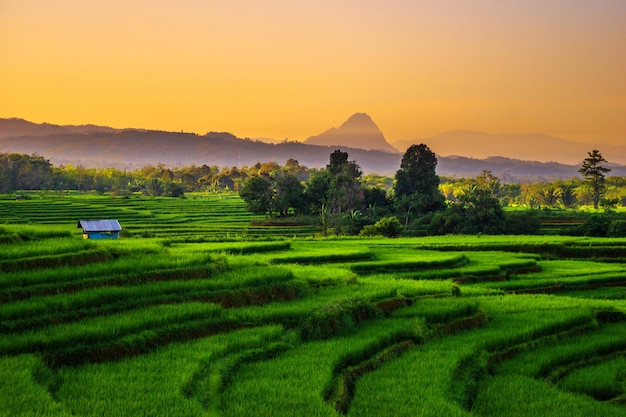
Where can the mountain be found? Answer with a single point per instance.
(529, 147)
(513, 170)
(133, 148)
(20, 127)
(359, 131)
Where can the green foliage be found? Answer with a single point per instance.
(336, 194)
(316, 189)
(522, 222)
(477, 212)
(387, 227)
(567, 195)
(274, 192)
(197, 321)
(288, 195)
(549, 196)
(609, 203)
(257, 193)
(416, 189)
(476, 209)
(345, 192)
(594, 173)
(24, 172)
(595, 226)
(378, 203)
(617, 228)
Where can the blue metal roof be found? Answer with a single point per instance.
(100, 225)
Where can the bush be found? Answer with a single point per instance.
(447, 222)
(596, 226)
(522, 223)
(617, 228)
(387, 226)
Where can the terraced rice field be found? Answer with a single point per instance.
(209, 216)
(195, 313)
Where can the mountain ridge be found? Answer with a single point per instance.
(135, 148)
(524, 146)
(14, 126)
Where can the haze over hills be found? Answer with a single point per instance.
(524, 146)
(134, 148)
(97, 146)
(359, 131)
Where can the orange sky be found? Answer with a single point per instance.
(292, 69)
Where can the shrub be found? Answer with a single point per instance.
(387, 226)
(617, 228)
(522, 223)
(596, 226)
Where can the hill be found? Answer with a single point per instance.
(137, 148)
(19, 127)
(513, 170)
(524, 146)
(359, 131)
(131, 148)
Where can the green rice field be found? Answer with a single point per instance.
(203, 309)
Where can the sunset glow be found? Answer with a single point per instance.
(292, 69)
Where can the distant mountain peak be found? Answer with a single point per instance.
(359, 118)
(359, 131)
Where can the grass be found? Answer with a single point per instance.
(160, 383)
(603, 381)
(24, 384)
(305, 372)
(514, 395)
(204, 309)
(106, 330)
(38, 312)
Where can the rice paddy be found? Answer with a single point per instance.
(199, 310)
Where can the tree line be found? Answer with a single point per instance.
(34, 172)
(418, 203)
(339, 196)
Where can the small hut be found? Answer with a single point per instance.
(100, 229)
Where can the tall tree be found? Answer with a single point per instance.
(337, 161)
(257, 193)
(594, 172)
(336, 193)
(288, 194)
(316, 190)
(345, 192)
(416, 189)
